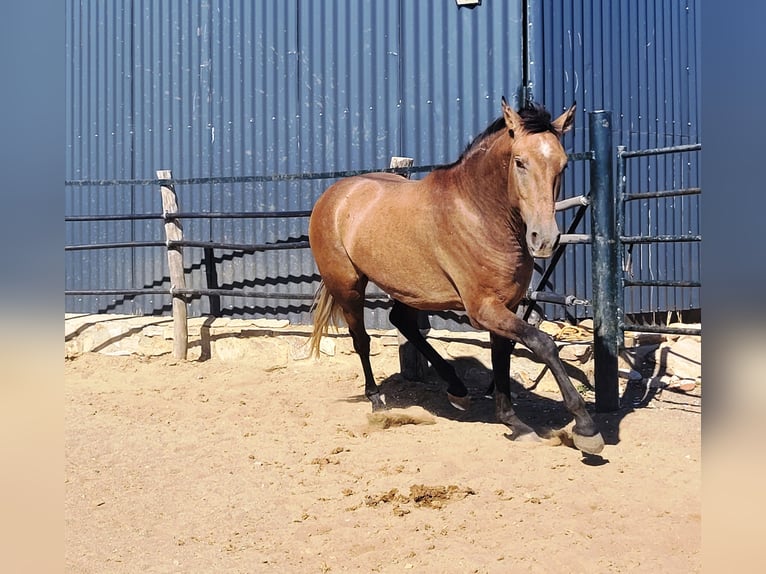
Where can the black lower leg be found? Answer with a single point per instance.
(362, 347)
(404, 318)
(501, 380)
(501, 360)
(544, 347)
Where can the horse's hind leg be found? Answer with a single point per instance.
(405, 318)
(352, 305)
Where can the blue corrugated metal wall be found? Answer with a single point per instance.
(639, 60)
(241, 88)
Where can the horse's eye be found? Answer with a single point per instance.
(520, 163)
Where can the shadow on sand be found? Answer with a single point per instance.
(542, 412)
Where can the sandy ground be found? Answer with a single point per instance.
(261, 466)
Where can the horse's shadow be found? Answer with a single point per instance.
(541, 412)
(535, 409)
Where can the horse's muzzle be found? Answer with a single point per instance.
(542, 245)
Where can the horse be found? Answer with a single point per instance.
(462, 238)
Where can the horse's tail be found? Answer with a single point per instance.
(326, 312)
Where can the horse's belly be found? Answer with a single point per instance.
(415, 281)
(428, 299)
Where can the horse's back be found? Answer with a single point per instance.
(383, 226)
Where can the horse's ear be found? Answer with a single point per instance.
(512, 119)
(565, 121)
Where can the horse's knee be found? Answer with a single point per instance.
(540, 343)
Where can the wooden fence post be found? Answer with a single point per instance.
(174, 232)
(412, 364)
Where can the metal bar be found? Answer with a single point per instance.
(190, 292)
(660, 238)
(190, 243)
(248, 178)
(619, 223)
(661, 283)
(127, 292)
(131, 217)
(189, 215)
(569, 238)
(241, 247)
(272, 177)
(662, 329)
(244, 294)
(572, 202)
(604, 263)
(661, 150)
(669, 193)
(555, 298)
(127, 244)
(209, 292)
(243, 215)
(580, 156)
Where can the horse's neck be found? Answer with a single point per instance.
(482, 180)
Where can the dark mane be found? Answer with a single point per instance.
(535, 117)
(492, 128)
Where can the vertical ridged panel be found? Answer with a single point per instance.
(241, 88)
(639, 60)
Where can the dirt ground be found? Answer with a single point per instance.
(257, 465)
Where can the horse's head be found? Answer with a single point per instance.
(534, 171)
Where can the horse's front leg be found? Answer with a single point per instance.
(496, 318)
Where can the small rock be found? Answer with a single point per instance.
(229, 349)
(327, 347)
(153, 331)
(300, 351)
(271, 323)
(673, 382)
(637, 339)
(577, 352)
(684, 385)
(682, 357)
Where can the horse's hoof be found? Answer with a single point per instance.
(589, 444)
(460, 403)
(378, 402)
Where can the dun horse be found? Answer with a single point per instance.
(462, 238)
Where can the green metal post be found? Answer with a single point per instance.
(604, 263)
(622, 186)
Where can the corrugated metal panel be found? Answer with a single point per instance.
(456, 66)
(100, 144)
(240, 88)
(640, 60)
